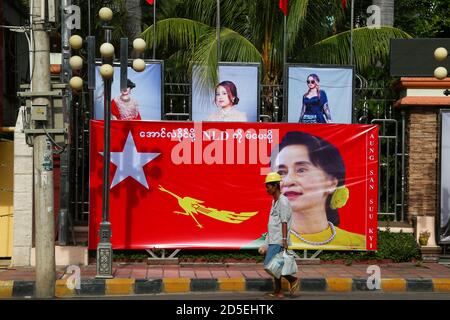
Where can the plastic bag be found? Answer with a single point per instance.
(289, 265)
(275, 265)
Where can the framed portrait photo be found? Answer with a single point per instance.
(319, 93)
(444, 217)
(142, 100)
(235, 97)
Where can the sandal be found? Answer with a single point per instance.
(294, 286)
(273, 295)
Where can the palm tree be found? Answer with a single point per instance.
(134, 17)
(252, 31)
(387, 11)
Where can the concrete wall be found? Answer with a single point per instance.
(23, 198)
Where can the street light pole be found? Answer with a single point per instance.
(104, 247)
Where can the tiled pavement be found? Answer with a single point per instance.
(245, 270)
(142, 278)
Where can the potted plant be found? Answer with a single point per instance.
(423, 237)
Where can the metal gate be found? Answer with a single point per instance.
(376, 106)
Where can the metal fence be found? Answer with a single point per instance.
(370, 106)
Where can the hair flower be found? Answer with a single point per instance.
(340, 197)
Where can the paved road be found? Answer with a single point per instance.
(302, 296)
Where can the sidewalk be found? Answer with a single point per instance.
(141, 278)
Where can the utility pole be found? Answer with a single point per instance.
(43, 157)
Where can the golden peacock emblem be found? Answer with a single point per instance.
(193, 207)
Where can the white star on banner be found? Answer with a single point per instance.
(130, 163)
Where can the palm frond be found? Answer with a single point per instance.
(237, 48)
(177, 32)
(369, 47)
(234, 47)
(296, 18)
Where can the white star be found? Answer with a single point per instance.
(130, 163)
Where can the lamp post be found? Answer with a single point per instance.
(107, 51)
(104, 247)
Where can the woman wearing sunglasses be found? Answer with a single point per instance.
(315, 107)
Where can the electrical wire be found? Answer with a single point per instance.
(62, 149)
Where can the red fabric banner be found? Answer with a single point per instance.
(150, 2)
(344, 4)
(201, 185)
(283, 4)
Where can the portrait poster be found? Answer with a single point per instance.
(319, 94)
(444, 226)
(201, 185)
(239, 79)
(146, 94)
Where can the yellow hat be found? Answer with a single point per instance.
(273, 177)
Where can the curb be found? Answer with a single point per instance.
(126, 286)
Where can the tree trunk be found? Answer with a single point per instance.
(387, 11)
(134, 19)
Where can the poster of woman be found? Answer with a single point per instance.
(444, 226)
(319, 94)
(141, 100)
(235, 98)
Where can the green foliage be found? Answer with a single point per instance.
(220, 255)
(370, 47)
(398, 247)
(423, 18)
(252, 31)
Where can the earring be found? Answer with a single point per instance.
(339, 197)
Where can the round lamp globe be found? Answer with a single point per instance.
(139, 45)
(107, 50)
(76, 83)
(440, 54)
(106, 71)
(138, 65)
(76, 62)
(440, 73)
(105, 14)
(75, 42)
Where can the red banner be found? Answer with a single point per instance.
(201, 185)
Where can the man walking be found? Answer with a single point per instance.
(278, 230)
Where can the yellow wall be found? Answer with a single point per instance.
(6, 197)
